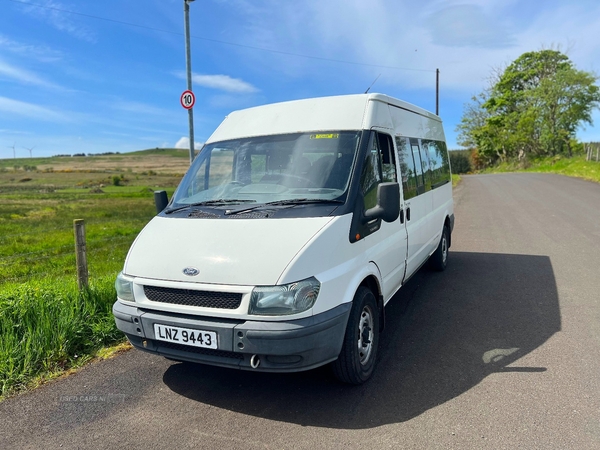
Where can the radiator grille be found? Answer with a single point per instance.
(205, 299)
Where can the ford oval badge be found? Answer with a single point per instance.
(191, 271)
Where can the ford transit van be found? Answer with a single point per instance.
(294, 226)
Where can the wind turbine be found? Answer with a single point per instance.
(13, 147)
(30, 150)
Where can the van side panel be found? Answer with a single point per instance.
(442, 207)
(427, 210)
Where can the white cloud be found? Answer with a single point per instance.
(464, 39)
(30, 110)
(25, 76)
(42, 53)
(184, 142)
(221, 82)
(54, 13)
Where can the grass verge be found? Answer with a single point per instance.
(576, 166)
(455, 179)
(48, 326)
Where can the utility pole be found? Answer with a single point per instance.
(188, 68)
(437, 92)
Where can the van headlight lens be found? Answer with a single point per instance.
(283, 300)
(124, 287)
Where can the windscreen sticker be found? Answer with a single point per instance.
(324, 136)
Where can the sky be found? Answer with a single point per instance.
(106, 76)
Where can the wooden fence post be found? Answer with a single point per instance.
(80, 253)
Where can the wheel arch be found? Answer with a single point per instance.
(373, 284)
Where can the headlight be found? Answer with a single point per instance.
(124, 287)
(290, 298)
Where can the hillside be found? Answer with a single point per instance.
(156, 167)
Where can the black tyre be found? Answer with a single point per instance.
(356, 361)
(439, 259)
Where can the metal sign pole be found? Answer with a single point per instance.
(188, 68)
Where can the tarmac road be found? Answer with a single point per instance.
(502, 350)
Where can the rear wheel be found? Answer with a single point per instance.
(439, 259)
(356, 361)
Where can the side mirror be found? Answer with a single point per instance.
(388, 203)
(160, 200)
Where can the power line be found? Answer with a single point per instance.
(235, 44)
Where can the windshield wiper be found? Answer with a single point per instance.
(300, 201)
(221, 201)
(289, 202)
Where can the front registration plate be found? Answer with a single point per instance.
(186, 336)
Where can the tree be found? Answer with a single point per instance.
(474, 117)
(533, 109)
(569, 99)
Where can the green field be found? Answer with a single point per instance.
(46, 324)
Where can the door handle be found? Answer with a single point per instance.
(408, 214)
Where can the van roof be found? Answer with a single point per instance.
(344, 112)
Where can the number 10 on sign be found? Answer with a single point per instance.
(187, 99)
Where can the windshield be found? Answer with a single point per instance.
(264, 169)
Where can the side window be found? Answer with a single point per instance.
(438, 162)
(416, 153)
(435, 162)
(371, 173)
(406, 165)
(426, 168)
(379, 167)
(445, 170)
(388, 160)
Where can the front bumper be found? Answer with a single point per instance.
(286, 346)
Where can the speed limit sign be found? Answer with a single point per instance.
(187, 99)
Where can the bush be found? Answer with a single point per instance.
(116, 180)
(460, 162)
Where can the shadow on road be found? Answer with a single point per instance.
(445, 332)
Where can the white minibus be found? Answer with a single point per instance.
(294, 226)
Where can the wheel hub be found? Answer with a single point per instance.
(444, 250)
(365, 335)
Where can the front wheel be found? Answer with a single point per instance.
(356, 361)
